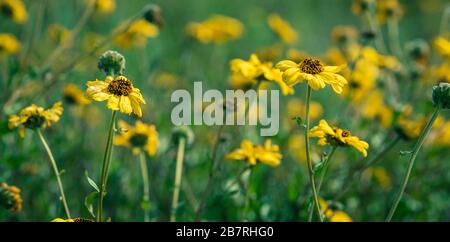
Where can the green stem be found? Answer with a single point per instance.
(394, 38)
(105, 166)
(247, 196)
(375, 27)
(415, 151)
(146, 187)
(178, 175)
(308, 158)
(56, 171)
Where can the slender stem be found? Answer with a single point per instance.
(105, 166)
(56, 171)
(308, 158)
(178, 175)
(322, 176)
(247, 196)
(415, 151)
(375, 27)
(146, 187)
(394, 38)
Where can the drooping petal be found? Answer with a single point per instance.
(125, 105)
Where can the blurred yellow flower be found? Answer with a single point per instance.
(361, 6)
(295, 55)
(70, 220)
(9, 45)
(103, 6)
(62, 220)
(267, 154)
(74, 95)
(120, 93)
(333, 214)
(343, 34)
(137, 34)
(35, 117)
(296, 147)
(314, 72)
(380, 175)
(337, 137)
(140, 137)
(409, 128)
(58, 33)
(295, 107)
(10, 197)
(442, 45)
(269, 53)
(388, 9)
(217, 29)
(14, 9)
(375, 108)
(282, 28)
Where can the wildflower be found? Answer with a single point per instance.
(74, 95)
(380, 175)
(153, 15)
(14, 9)
(409, 128)
(441, 95)
(72, 220)
(296, 107)
(141, 137)
(442, 45)
(418, 50)
(10, 197)
(296, 55)
(246, 74)
(120, 93)
(375, 108)
(103, 6)
(266, 154)
(362, 6)
(183, 132)
(344, 34)
(35, 117)
(314, 72)
(269, 53)
(58, 33)
(137, 34)
(9, 45)
(217, 29)
(388, 9)
(282, 28)
(112, 62)
(332, 212)
(337, 137)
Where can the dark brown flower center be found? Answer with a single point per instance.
(6, 10)
(138, 140)
(345, 133)
(311, 66)
(34, 121)
(120, 86)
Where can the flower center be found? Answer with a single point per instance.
(34, 122)
(138, 140)
(345, 133)
(120, 86)
(311, 66)
(6, 10)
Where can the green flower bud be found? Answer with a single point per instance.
(441, 95)
(183, 132)
(112, 63)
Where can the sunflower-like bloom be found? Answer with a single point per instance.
(120, 93)
(35, 117)
(442, 45)
(137, 34)
(14, 9)
(103, 6)
(375, 108)
(10, 197)
(58, 33)
(74, 95)
(332, 212)
(9, 45)
(267, 154)
(140, 137)
(337, 137)
(282, 28)
(388, 9)
(314, 72)
(216, 29)
(244, 74)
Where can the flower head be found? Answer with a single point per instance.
(10, 197)
(442, 45)
(140, 137)
(71, 220)
(408, 127)
(74, 95)
(112, 62)
(217, 29)
(120, 93)
(388, 9)
(314, 72)
(153, 15)
(282, 28)
(337, 137)
(333, 213)
(137, 34)
(266, 154)
(441, 95)
(14, 9)
(361, 6)
(35, 117)
(9, 45)
(58, 33)
(103, 6)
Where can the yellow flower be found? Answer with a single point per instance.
(282, 28)
(267, 154)
(70, 220)
(74, 95)
(442, 45)
(217, 29)
(344, 34)
(141, 137)
(245, 74)
(58, 33)
(361, 6)
(296, 107)
(14, 9)
(332, 213)
(120, 93)
(375, 108)
(10, 197)
(137, 34)
(388, 9)
(314, 72)
(296, 55)
(269, 53)
(34, 117)
(9, 45)
(337, 137)
(59, 220)
(103, 6)
(380, 175)
(407, 127)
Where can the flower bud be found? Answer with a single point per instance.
(112, 63)
(418, 49)
(153, 15)
(183, 132)
(441, 95)
(10, 197)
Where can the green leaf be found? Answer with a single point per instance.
(89, 201)
(91, 182)
(318, 167)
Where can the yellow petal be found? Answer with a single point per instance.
(125, 105)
